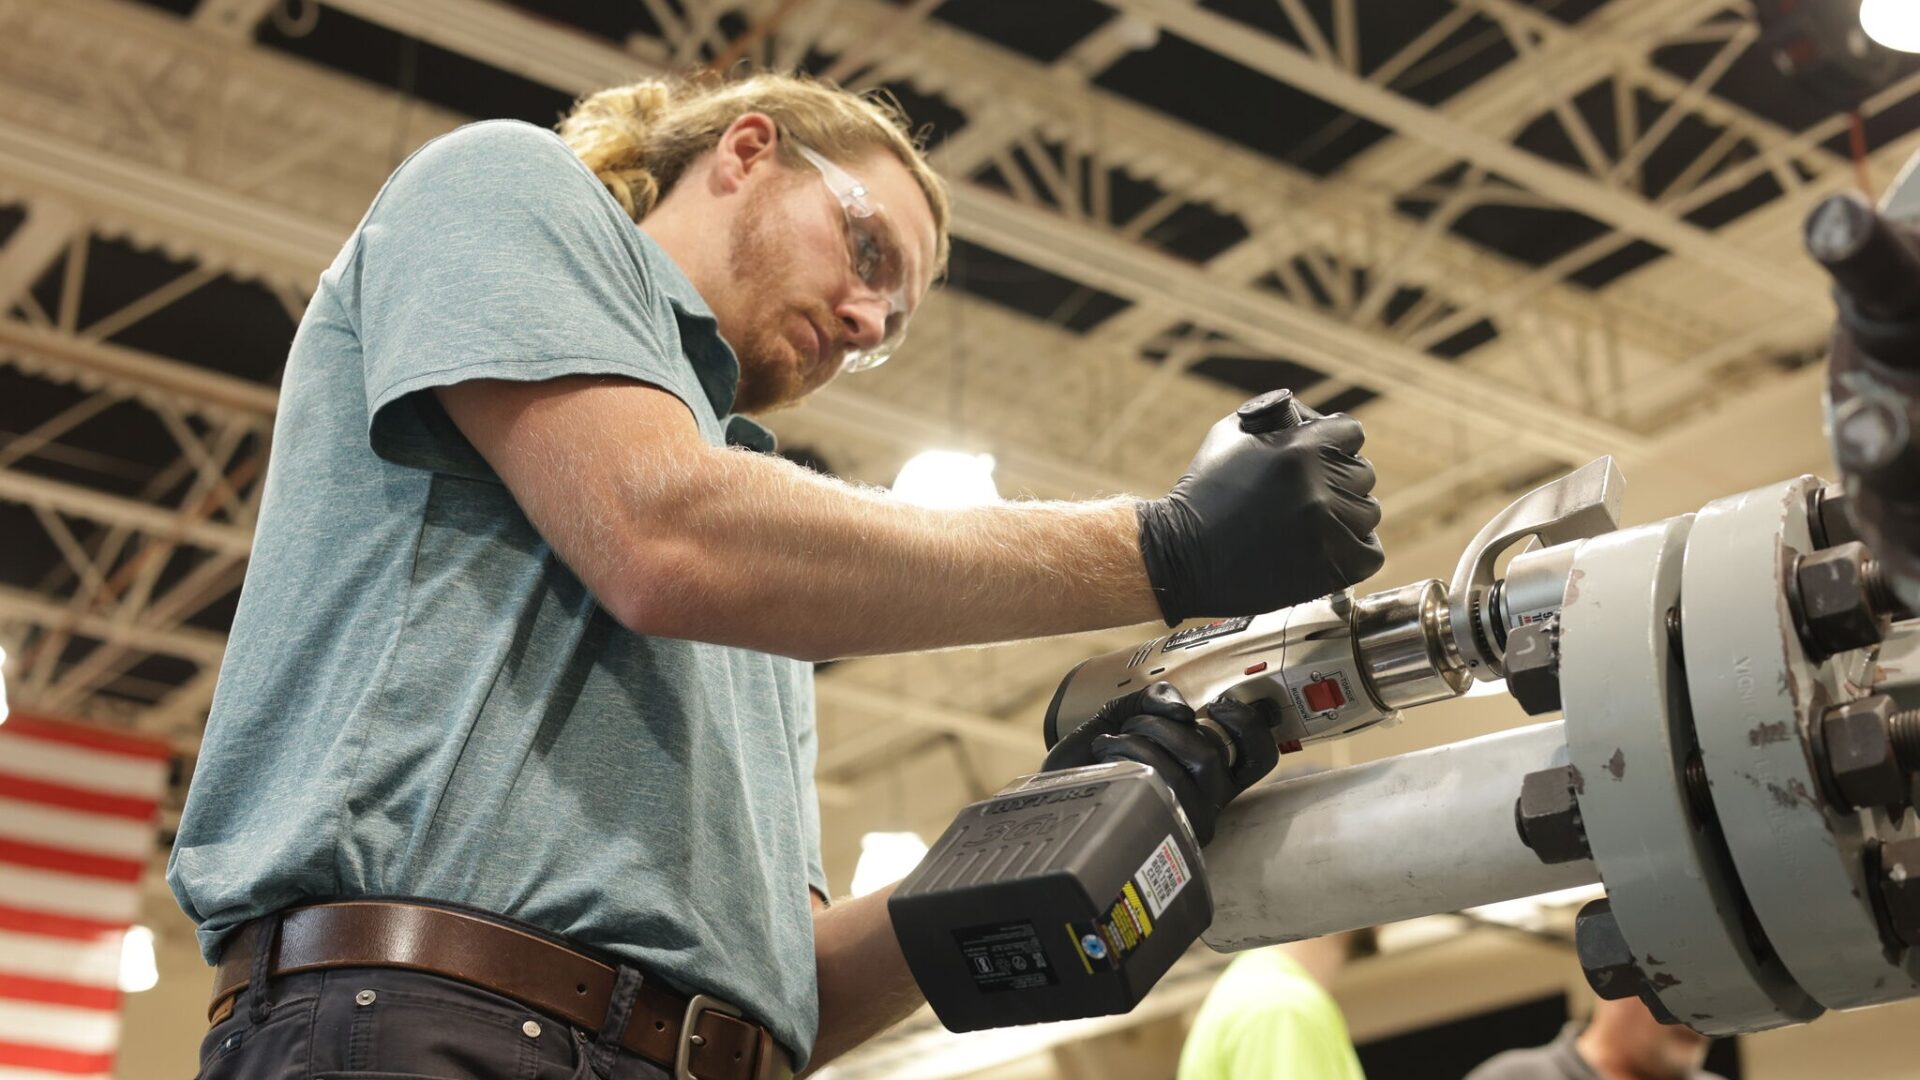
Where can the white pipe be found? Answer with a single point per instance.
(1392, 839)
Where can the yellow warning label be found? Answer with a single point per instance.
(1139, 910)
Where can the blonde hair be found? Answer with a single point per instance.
(640, 138)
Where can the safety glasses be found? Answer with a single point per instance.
(873, 246)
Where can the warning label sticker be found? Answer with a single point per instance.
(1005, 956)
(1107, 942)
(1162, 876)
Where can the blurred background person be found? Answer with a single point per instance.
(1621, 1041)
(1270, 1015)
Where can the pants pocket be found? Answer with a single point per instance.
(394, 1033)
(274, 1049)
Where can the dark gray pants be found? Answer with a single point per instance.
(387, 1024)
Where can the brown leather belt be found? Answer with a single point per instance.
(698, 1039)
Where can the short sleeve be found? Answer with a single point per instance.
(493, 253)
(806, 756)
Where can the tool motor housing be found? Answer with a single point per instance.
(1067, 894)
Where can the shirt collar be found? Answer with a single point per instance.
(742, 431)
(713, 360)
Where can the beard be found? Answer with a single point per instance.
(774, 373)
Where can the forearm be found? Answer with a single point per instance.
(752, 551)
(865, 987)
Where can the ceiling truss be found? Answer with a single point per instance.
(186, 138)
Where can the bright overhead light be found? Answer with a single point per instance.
(137, 969)
(1530, 912)
(946, 480)
(1893, 23)
(886, 857)
(1486, 689)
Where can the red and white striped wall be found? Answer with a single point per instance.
(77, 822)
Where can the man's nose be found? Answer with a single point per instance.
(864, 320)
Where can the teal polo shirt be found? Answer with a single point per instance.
(419, 698)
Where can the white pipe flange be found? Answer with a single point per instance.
(1757, 701)
(1671, 885)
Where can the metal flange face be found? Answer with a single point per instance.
(1755, 697)
(1668, 878)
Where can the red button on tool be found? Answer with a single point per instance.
(1324, 696)
(1257, 668)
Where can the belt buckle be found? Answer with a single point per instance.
(696, 1005)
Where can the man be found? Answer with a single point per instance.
(522, 640)
(1622, 1041)
(1269, 1015)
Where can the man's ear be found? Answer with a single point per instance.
(750, 143)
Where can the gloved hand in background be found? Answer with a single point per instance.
(1266, 516)
(1156, 727)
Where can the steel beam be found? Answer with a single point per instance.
(108, 509)
(201, 646)
(34, 246)
(1357, 350)
(1047, 240)
(233, 19)
(133, 373)
(1630, 213)
(277, 242)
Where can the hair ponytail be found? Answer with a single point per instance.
(609, 131)
(640, 138)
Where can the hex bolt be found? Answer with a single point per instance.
(1274, 410)
(1900, 888)
(1861, 757)
(1834, 597)
(1880, 594)
(1605, 957)
(1871, 262)
(1827, 517)
(1533, 666)
(1904, 727)
(1548, 816)
(1698, 788)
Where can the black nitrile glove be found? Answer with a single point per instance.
(1155, 727)
(1263, 519)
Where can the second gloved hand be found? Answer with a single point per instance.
(1156, 727)
(1263, 518)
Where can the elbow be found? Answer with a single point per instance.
(680, 594)
(635, 610)
(658, 593)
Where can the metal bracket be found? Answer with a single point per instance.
(1581, 504)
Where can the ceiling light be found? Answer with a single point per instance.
(886, 857)
(947, 480)
(137, 969)
(1893, 23)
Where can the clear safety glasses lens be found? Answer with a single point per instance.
(866, 229)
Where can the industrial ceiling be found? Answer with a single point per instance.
(1510, 236)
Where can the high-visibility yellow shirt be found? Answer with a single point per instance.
(1266, 1017)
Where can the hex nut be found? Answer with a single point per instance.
(1900, 888)
(1836, 611)
(1549, 816)
(1827, 513)
(1605, 956)
(1533, 667)
(1860, 755)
